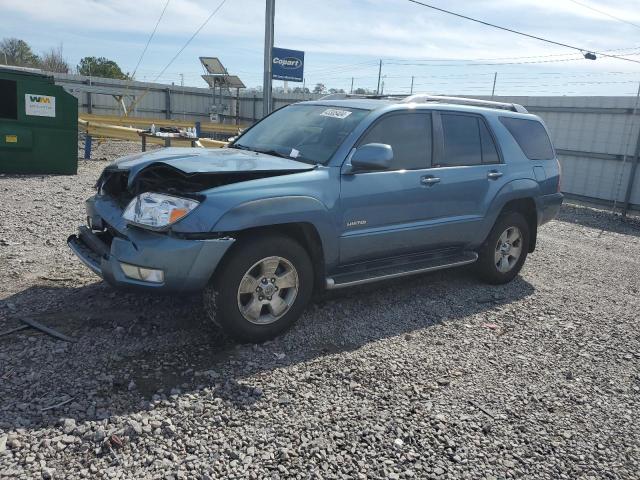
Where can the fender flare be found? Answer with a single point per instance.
(518, 189)
(274, 211)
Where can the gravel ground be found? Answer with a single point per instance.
(436, 376)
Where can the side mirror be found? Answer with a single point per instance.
(372, 156)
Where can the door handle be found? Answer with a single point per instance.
(429, 181)
(494, 175)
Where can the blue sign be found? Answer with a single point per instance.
(287, 65)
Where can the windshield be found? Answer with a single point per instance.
(308, 133)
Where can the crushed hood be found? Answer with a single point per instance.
(205, 160)
(188, 171)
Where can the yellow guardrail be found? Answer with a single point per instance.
(101, 130)
(209, 127)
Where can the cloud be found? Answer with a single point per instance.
(332, 32)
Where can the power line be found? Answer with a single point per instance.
(535, 37)
(605, 13)
(136, 101)
(192, 37)
(149, 39)
(388, 60)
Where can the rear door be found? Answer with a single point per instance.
(469, 172)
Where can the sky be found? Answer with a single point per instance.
(345, 39)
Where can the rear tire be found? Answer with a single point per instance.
(260, 289)
(505, 250)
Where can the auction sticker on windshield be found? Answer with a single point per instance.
(335, 113)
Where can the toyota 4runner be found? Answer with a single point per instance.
(321, 195)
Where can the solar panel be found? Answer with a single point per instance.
(229, 81)
(233, 81)
(213, 65)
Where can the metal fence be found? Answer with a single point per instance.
(105, 96)
(597, 138)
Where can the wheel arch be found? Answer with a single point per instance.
(527, 207)
(304, 233)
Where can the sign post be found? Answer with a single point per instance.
(268, 47)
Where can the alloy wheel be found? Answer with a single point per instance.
(508, 249)
(267, 290)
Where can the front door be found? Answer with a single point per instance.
(382, 211)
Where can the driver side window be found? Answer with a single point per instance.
(409, 135)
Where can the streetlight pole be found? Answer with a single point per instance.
(268, 47)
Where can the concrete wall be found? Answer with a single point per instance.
(595, 137)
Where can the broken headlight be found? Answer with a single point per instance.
(156, 210)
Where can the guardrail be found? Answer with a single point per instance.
(101, 130)
(208, 127)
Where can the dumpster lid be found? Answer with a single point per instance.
(24, 71)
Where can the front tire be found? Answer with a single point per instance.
(502, 255)
(261, 288)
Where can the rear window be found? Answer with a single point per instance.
(467, 141)
(531, 136)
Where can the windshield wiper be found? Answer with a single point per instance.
(275, 154)
(267, 152)
(239, 147)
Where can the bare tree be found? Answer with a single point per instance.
(14, 51)
(53, 61)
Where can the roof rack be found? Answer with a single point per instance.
(425, 98)
(345, 96)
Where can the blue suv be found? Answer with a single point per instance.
(321, 195)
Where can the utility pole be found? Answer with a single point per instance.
(634, 165)
(268, 47)
(351, 91)
(182, 79)
(493, 90)
(632, 176)
(379, 75)
(411, 85)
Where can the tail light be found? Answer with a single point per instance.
(559, 175)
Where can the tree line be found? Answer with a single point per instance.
(18, 53)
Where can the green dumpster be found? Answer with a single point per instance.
(38, 124)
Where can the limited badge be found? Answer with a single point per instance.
(11, 139)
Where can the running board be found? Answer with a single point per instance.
(349, 279)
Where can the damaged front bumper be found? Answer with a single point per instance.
(109, 245)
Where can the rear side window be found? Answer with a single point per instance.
(409, 135)
(489, 150)
(467, 141)
(8, 100)
(531, 136)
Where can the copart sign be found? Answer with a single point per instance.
(287, 65)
